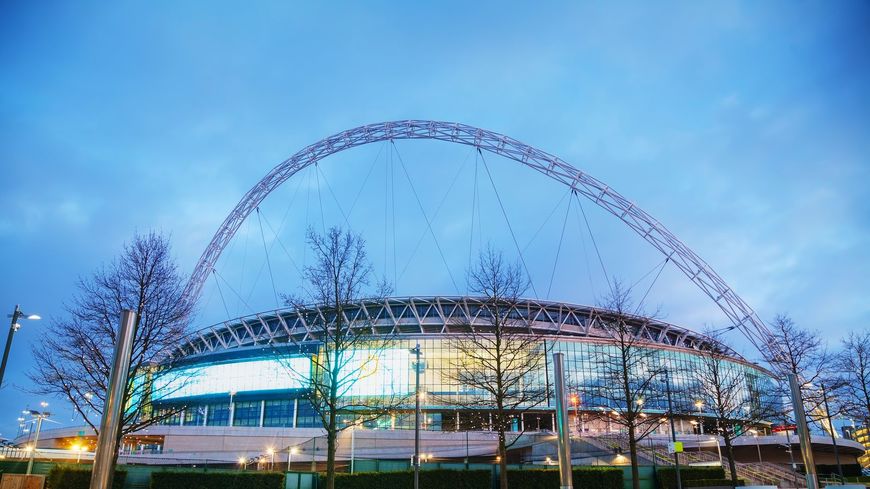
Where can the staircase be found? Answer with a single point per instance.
(765, 473)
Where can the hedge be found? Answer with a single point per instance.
(849, 470)
(667, 477)
(713, 483)
(66, 477)
(430, 479)
(192, 479)
(585, 477)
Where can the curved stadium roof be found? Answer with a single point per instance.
(434, 316)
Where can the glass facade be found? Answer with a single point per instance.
(273, 393)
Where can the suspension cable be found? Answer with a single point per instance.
(545, 221)
(640, 303)
(434, 216)
(428, 222)
(594, 244)
(559, 248)
(365, 180)
(320, 200)
(474, 203)
(268, 262)
(504, 213)
(220, 292)
(337, 204)
(233, 290)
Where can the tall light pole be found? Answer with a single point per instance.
(699, 405)
(562, 427)
(417, 368)
(673, 428)
(757, 446)
(290, 452)
(39, 415)
(833, 433)
(13, 327)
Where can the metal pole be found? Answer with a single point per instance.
(673, 428)
(833, 437)
(562, 426)
(718, 450)
(110, 426)
(803, 432)
(35, 442)
(791, 455)
(352, 446)
(758, 447)
(15, 316)
(417, 419)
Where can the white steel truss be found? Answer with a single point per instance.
(696, 269)
(429, 316)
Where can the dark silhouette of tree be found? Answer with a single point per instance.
(630, 369)
(803, 353)
(731, 394)
(853, 366)
(348, 350)
(497, 354)
(75, 357)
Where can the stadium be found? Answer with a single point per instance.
(238, 392)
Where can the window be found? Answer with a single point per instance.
(218, 414)
(307, 417)
(246, 413)
(278, 412)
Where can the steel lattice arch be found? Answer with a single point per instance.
(651, 230)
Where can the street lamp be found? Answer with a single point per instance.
(271, 452)
(13, 327)
(242, 462)
(757, 446)
(417, 395)
(39, 417)
(290, 452)
(699, 405)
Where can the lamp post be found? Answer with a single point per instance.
(290, 453)
(757, 446)
(417, 367)
(699, 405)
(39, 415)
(718, 448)
(673, 428)
(271, 452)
(833, 432)
(13, 327)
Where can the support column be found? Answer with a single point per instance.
(104, 466)
(803, 432)
(562, 426)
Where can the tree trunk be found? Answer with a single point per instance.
(502, 461)
(330, 451)
(632, 448)
(732, 465)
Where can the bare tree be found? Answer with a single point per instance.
(348, 350)
(74, 359)
(853, 364)
(630, 372)
(803, 353)
(731, 394)
(497, 355)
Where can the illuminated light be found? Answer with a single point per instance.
(294, 450)
(28, 448)
(639, 402)
(242, 460)
(614, 412)
(548, 460)
(270, 451)
(699, 404)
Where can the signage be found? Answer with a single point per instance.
(675, 447)
(783, 427)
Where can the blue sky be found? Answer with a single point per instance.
(742, 126)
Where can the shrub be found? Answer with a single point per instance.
(430, 479)
(192, 479)
(76, 477)
(714, 483)
(585, 477)
(667, 477)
